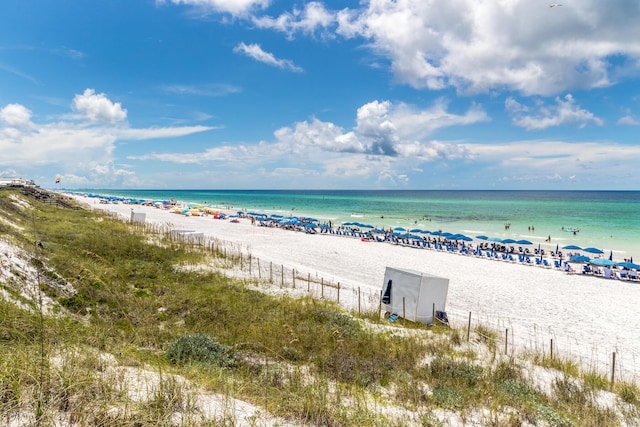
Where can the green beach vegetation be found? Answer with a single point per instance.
(108, 323)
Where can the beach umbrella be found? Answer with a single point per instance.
(524, 242)
(572, 247)
(602, 262)
(495, 239)
(482, 237)
(415, 230)
(629, 265)
(463, 237)
(593, 250)
(436, 233)
(400, 229)
(424, 232)
(579, 258)
(366, 226)
(508, 241)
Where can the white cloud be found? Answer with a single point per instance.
(254, 51)
(16, 115)
(520, 45)
(70, 143)
(564, 112)
(628, 120)
(233, 7)
(376, 147)
(98, 108)
(313, 18)
(585, 164)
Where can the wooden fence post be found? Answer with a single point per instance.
(469, 327)
(613, 368)
(294, 278)
(404, 316)
(338, 293)
(322, 287)
(308, 282)
(358, 299)
(551, 349)
(506, 339)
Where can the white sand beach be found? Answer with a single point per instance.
(587, 317)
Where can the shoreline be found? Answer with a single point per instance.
(587, 317)
(620, 237)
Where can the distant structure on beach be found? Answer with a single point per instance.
(16, 182)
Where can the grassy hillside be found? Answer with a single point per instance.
(90, 305)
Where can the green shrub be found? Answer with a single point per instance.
(200, 348)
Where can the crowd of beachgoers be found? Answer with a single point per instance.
(507, 250)
(571, 262)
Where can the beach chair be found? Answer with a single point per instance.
(633, 275)
(621, 275)
(546, 263)
(556, 264)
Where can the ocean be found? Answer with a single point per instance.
(608, 220)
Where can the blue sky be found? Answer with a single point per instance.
(259, 94)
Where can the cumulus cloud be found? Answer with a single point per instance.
(98, 108)
(520, 45)
(254, 51)
(477, 47)
(15, 115)
(563, 112)
(376, 148)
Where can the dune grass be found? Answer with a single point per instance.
(302, 359)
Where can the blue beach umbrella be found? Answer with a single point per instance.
(400, 229)
(602, 262)
(574, 247)
(482, 237)
(495, 239)
(579, 258)
(424, 232)
(508, 241)
(463, 237)
(524, 242)
(593, 250)
(629, 265)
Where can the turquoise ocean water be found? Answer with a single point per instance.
(609, 220)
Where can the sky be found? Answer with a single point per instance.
(370, 94)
